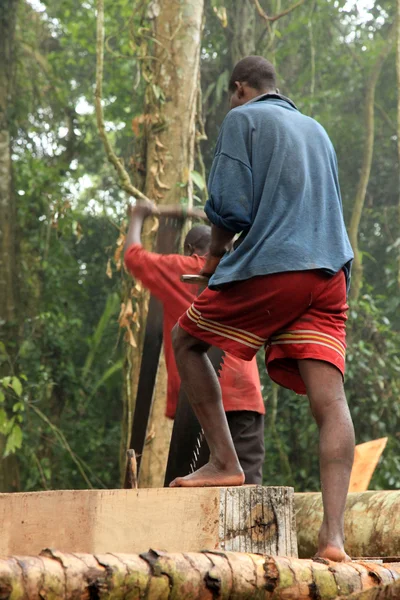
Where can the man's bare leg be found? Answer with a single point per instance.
(202, 388)
(336, 450)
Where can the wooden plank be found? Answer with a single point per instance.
(175, 519)
(366, 458)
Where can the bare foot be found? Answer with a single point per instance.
(210, 475)
(331, 546)
(332, 552)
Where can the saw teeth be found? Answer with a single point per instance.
(200, 439)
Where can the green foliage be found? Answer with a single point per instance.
(11, 409)
(60, 376)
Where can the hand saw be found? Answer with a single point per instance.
(188, 448)
(168, 237)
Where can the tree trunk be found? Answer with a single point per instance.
(386, 592)
(155, 453)
(371, 525)
(359, 201)
(223, 575)
(8, 278)
(8, 10)
(398, 127)
(241, 35)
(170, 140)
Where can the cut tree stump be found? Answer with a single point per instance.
(208, 575)
(371, 524)
(245, 519)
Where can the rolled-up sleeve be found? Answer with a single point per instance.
(230, 185)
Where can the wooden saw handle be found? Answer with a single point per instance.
(199, 279)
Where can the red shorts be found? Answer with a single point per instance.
(295, 315)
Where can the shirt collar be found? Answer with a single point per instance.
(272, 95)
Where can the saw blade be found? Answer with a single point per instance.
(216, 356)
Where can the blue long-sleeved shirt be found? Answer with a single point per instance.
(274, 179)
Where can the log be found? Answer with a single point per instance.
(386, 592)
(246, 519)
(160, 576)
(372, 523)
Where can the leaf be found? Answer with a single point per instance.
(14, 441)
(125, 314)
(5, 381)
(159, 144)
(117, 257)
(155, 226)
(130, 338)
(161, 185)
(16, 386)
(2, 396)
(3, 351)
(198, 180)
(109, 269)
(109, 311)
(136, 122)
(109, 372)
(3, 420)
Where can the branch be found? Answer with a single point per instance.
(269, 19)
(125, 181)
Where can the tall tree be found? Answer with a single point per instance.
(8, 14)
(398, 126)
(171, 70)
(8, 279)
(170, 142)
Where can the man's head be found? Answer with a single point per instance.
(251, 77)
(197, 241)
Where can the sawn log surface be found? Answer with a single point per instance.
(246, 519)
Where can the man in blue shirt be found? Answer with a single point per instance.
(274, 181)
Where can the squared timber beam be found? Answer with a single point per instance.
(246, 519)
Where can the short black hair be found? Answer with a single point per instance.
(199, 237)
(256, 71)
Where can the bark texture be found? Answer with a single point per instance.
(386, 592)
(170, 143)
(372, 524)
(206, 575)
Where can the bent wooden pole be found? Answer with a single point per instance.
(161, 576)
(371, 527)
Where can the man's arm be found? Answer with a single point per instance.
(230, 187)
(221, 242)
(137, 215)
